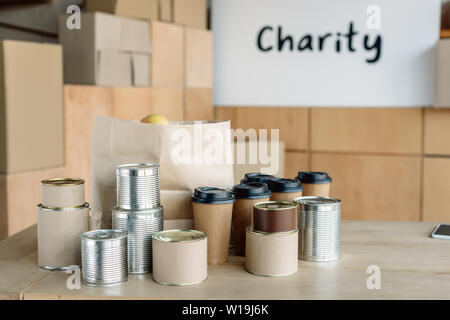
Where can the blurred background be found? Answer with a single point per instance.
(135, 57)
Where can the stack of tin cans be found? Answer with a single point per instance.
(62, 216)
(319, 228)
(138, 212)
(272, 241)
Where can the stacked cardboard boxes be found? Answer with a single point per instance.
(36, 20)
(31, 130)
(130, 58)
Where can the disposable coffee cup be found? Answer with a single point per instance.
(285, 189)
(213, 209)
(247, 194)
(256, 177)
(315, 183)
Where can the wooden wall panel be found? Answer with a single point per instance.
(198, 104)
(292, 122)
(436, 190)
(20, 193)
(132, 103)
(437, 131)
(374, 187)
(383, 130)
(295, 162)
(276, 165)
(82, 105)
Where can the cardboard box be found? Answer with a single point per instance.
(198, 104)
(442, 92)
(13, 33)
(31, 106)
(199, 61)
(167, 60)
(143, 9)
(20, 193)
(35, 16)
(192, 13)
(166, 10)
(108, 50)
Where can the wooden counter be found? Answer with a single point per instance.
(413, 266)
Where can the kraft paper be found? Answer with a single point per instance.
(116, 142)
(215, 221)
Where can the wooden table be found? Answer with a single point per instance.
(413, 266)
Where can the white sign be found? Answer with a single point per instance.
(377, 53)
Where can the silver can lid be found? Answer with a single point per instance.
(317, 203)
(274, 205)
(62, 182)
(179, 235)
(140, 169)
(104, 235)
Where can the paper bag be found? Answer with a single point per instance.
(190, 155)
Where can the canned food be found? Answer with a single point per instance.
(62, 193)
(272, 254)
(58, 236)
(275, 216)
(319, 228)
(104, 257)
(138, 186)
(140, 225)
(180, 257)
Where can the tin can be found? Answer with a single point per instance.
(272, 254)
(180, 257)
(137, 186)
(319, 228)
(140, 226)
(275, 216)
(62, 193)
(58, 236)
(104, 257)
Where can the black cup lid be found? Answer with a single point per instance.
(257, 177)
(251, 190)
(313, 177)
(285, 185)
(212, 195)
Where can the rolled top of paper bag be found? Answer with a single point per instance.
(285, 185)
(256, 177)
(251, 190)
(210, 195)
(314, 177)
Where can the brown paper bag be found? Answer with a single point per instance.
(190, 155)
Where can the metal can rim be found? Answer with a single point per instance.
(260, 205)
(122, 234)
(62, 182)
(158, 235)
(138, 211)
(251, 230)
(327, 201)
(61, 209)
(147, 169)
